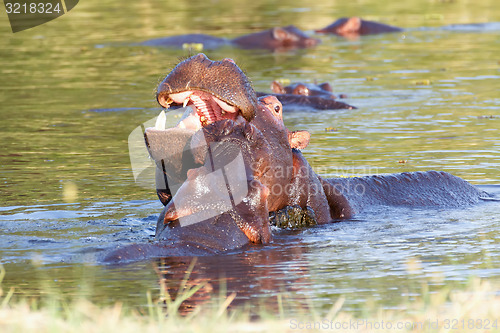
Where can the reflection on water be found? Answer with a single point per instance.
(74, 89)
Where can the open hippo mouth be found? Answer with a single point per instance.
(215, 90)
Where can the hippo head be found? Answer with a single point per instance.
(304, 89)
(232, 158)
(353, 27)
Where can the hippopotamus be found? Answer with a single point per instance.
(305, 89)
(261, 170)
(278, 38)
(352, 27)
(307, 96)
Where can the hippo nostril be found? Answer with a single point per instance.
(229, 59)
(164, 100)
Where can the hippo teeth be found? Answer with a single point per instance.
(209, 108)
(161, 121)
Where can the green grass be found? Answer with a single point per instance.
(467, 310)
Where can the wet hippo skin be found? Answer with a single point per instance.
(248, 220)
(275, 172)
(278, 38)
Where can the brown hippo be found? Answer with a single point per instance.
(232, 227)
(354, 27)
(279, 39)
(286, 174)
(285, 166)
(307, 96)
(261, 171)
(309, 103)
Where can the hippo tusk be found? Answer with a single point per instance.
(161, 121)
(224, 106)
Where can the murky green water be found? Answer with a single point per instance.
(72, 91)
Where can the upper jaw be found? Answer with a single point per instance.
(221, 84)
(205, 108)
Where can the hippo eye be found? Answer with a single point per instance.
(277, 108)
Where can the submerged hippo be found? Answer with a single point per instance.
(279, 39)
(307, 96)
(352, 27)
(231, 133)
(305, 89)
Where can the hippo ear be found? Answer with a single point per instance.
(277, 88)
(280, 34)
(299, 139)
(353, 24)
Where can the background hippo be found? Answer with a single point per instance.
(306, 89)
(278, 38)
(308, 96)
(288, 176)
(232, 227)
(355, 26)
